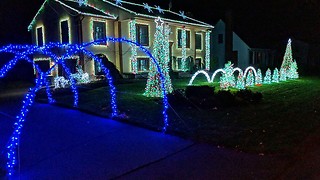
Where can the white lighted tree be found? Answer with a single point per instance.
(287, 58)
(161, 54)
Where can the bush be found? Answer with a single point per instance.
(177, 97)
(247, 96)
(225, 98)
(201, 92)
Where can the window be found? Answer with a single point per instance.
(71, 64)
(220, 38)
(198, 41)
(180, 38)
(143, 34)
(43, 65)
(99, 30)
(179, 64)
(198, 64)
(64, 31)
(40, 36)
(143, 64)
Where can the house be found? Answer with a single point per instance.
(241, 54)
(80, 21)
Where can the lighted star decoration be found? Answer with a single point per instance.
(118, 2)
(159, 9)
(159, 21)
(182, 14)
(146, 6)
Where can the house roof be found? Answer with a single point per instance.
(142, 10)
(74, 6)
(149, 11)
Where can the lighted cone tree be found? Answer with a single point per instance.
(161, 54)
(275, 76)
(250, 78)
(227, 79)
(267, 78)
(293, 71)
(283, 75)
(259, 78)
(240, 81)
(287, 58)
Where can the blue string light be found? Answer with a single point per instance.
(21, 53)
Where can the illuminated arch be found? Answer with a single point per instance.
(29, 97)
(248, 68)
(196, 74)
(215, 73)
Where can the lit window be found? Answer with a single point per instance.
(40, 36)
(180, 38)
(179, 64)
(143, 64)
(99, 30)
(143, 34)
(198, 41)
(64, 31)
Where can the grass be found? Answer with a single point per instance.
(287, 114)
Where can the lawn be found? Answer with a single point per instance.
(288, 112)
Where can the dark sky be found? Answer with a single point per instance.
(256, 21)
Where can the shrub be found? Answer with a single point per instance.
(225, 98)
(202, 92)
(247, 96)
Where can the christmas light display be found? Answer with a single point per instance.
(227, 79)
(60, 82)
(250, 78)
(184, 65)
(267, 77)
(146, 6)
(259, 77)
(23, 51)
(293, 71)
(275, 76)
(160, 52)
(240, 81)
(159, 9)
(250, 68)
(207, 45)
(283, 74)
(80, 76)
(182, 14)
(82, 2)
(133, 58)
(196, 74)
(287, 59)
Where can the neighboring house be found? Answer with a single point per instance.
(242, 54)
(66, 21)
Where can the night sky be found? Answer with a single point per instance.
(259, 23)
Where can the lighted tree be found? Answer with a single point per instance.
(227, 79)
(287, 58)
(250, 78)
(259, 77)
(275, 76)
(267, 78)
(161, 54)
(293, 71)
(240, 81)
(283, 75)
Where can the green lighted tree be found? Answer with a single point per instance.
(250, 78)
(259, 77)
(287, 58)
(267, 78)
(227, 79)
(161, 54)
(275, 76)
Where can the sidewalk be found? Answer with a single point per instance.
(60, 143)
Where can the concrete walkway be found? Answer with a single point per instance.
(60, 143)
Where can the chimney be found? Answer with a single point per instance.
(170, 5)
(229, 37)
